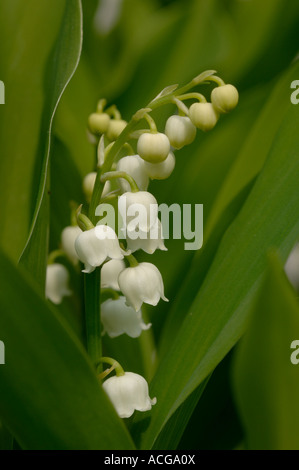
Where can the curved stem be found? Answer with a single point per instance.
(116, 365)
(101, 105)
(151, 122)
(132, 260)
(110, 175)
(92, 283)
(190, 96)
(217, 80)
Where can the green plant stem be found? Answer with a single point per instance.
(110, 175)
(92, 315)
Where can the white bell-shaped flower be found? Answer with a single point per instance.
(142, 283)
(68, 238)
(94, 246)
(147, 241)
(153, 147)
(118, 318)
(128, 392)
(133, 165)
(88, 185)
(203, 115)
(110, 272)
(225, 98)
(161, 171)
(139, 211)
(180, 131)
(115, 128)
(57, 279)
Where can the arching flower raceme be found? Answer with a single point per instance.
(118, 318)
(203, 115)
(225, 98)
(57, 279)
(134, 166)
(142, 283)
(138, 210)
(161, 171)
(153, 148)
(128, 392)
(110, 272)
(180, 131)
(147, 241)
(94, 246)
(68, 238)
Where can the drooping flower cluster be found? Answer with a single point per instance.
(127, 284)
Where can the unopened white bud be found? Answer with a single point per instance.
(98, 123)
(115, 128)
(142, 283)
(180, 131)
(134, 166)
(68, 238)
(225, 98)
(153, 148)
(88, 185)
(292, 267)
(128, 392)
(118, 318)
(161, 171)
(203, 115)
(57, 279)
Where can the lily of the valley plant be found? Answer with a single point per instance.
(126, 283)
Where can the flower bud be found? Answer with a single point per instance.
(128, 392)
(133, 165)
(110, 272)
(180, 131)
(203, 115)
(118, 318)
(57, 278)
(161, 171)
(142, 283)
(138, 210)
(94, 246)
(225, 98)
(115, 128)
(147, 241)
(292, 267)
(153, 148)
(98, 123)
(88, 185)
(68, 238)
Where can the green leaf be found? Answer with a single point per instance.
(49, 396)
(217, 318)
(266, 382)
(59, 73)
(24, 55)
